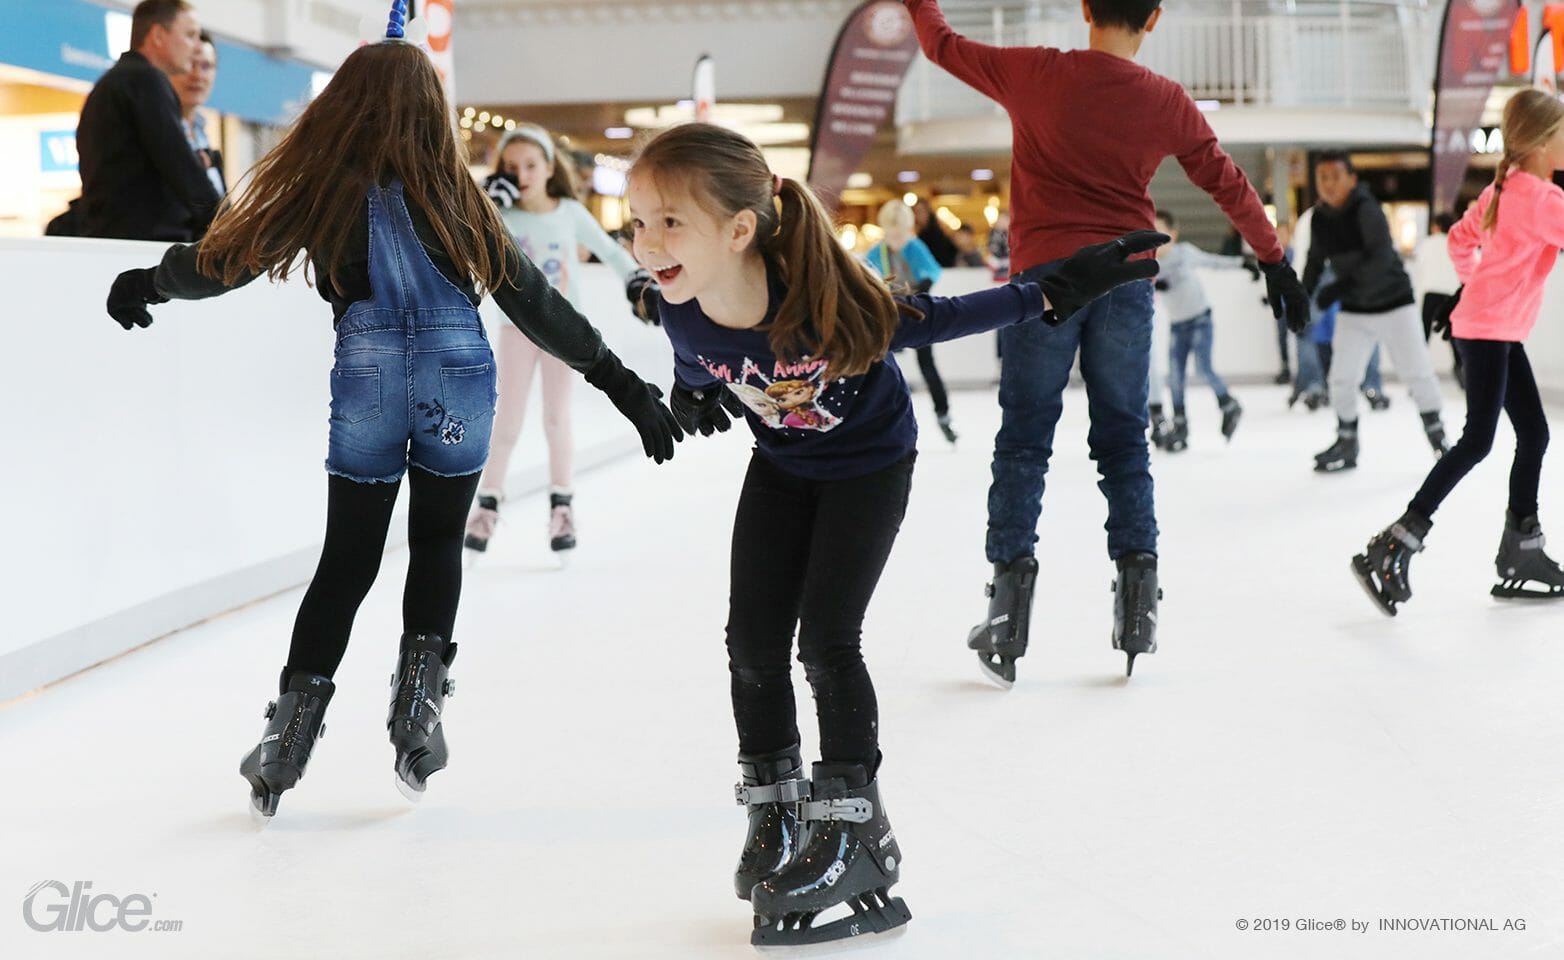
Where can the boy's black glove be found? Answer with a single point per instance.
(1441, 321)
(129, 296)
(1092, 271)
(1161, 286)
(641, 404)
(642, 292)
(1285, 293)
(707, 411)
(1328, 294)
(503, 190)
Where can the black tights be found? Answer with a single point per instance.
(357, 518)
(808, 553)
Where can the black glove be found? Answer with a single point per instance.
(129, 296)
(707, 411)
(1253, 266)
(1328, 294)
(1092, 271)
(642, 292)
(503, 190)
(1161, 286)
(1285, 293)
(1441, 322)
(641, 404)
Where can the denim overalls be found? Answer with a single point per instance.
(413, 381)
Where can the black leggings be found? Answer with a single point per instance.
(809, 553)
(357, 518)
(1498, 377)
(933, 381)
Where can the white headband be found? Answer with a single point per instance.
(532, 133)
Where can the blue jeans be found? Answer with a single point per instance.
(1191, 336)
(413, 381)
(1113, 335)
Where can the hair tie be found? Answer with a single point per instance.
(776, 184)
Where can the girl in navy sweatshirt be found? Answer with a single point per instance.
(772, 320)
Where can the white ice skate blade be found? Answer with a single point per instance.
(257, 818)
(993, 677)
(405, 790)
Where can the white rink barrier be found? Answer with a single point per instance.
(155, 478)
(159, 477)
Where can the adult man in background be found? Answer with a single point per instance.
(193, 88)
(140, 178)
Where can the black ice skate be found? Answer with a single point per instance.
(945, 427)
(1001, 639)
(294, 721)
(1384, 565)
(1521, 561)
(1159, 428)
(1231, 411)
(1341, 455)
(1435, 431)
(771, 785)
(1135, 596)
(850, 857)
(561, 523)
(480, 526)
(418, 692)
(1377, 399)
(1177, 437)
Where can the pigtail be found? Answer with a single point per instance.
(834, 305)
(565, 183)
(1491, 215)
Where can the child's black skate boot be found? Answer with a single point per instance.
(1001, 639)
(849, 857)
(1384, 565)
(1341, 455)
(1159, 425)
(1377, 399)
(294, 721)
(946, 428)
(1135, 596)
(480, 526)
(1177, 437)
(771, 785)
(1435, 430)
(1521, 561)
(561, 522)
(418, 692)
(1231, 411)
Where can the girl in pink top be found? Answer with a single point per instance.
(1503, 258)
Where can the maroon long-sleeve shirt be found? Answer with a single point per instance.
(1090, 129)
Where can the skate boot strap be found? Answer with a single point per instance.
(1406, 537)
(1533, 543)
(785, 791)
(851, 810)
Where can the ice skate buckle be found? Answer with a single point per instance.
(787, 791)
(852, 810)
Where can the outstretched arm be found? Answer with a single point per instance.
(989, 70)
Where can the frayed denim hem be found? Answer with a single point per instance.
(389, 478)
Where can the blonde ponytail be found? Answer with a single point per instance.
(1531, 117)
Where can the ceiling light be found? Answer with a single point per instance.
(982, 174)
(860, 181)
(907, 176)
(619, 133)
(910, 199)
(484, 116)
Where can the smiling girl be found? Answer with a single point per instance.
(764, 310)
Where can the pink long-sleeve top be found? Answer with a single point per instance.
(1504, 271)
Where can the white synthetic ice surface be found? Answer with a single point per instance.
(1288, 753)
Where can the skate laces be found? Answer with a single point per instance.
(560, 521)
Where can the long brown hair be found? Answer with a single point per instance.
(383, 116)
(562, 184)
(1531, 117)
(835, 306)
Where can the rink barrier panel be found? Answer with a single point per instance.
(157, 478)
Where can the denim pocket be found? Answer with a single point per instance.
(355, 394)
(468, 392)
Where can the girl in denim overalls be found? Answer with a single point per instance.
(412, 390)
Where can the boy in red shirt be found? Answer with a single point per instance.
(1090, 128)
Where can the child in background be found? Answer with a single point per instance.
(906, 261)
(1189, 327)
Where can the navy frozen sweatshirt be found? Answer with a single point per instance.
(808, 422)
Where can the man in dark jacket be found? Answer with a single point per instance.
(1351, 235)
(140, 179)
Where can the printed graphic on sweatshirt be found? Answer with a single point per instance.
(795, 396)
(553, 260)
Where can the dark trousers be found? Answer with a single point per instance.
(933, 381)
(1498, 378)
(809, 553)
(358, 515)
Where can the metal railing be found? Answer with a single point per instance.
(1357, 54)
